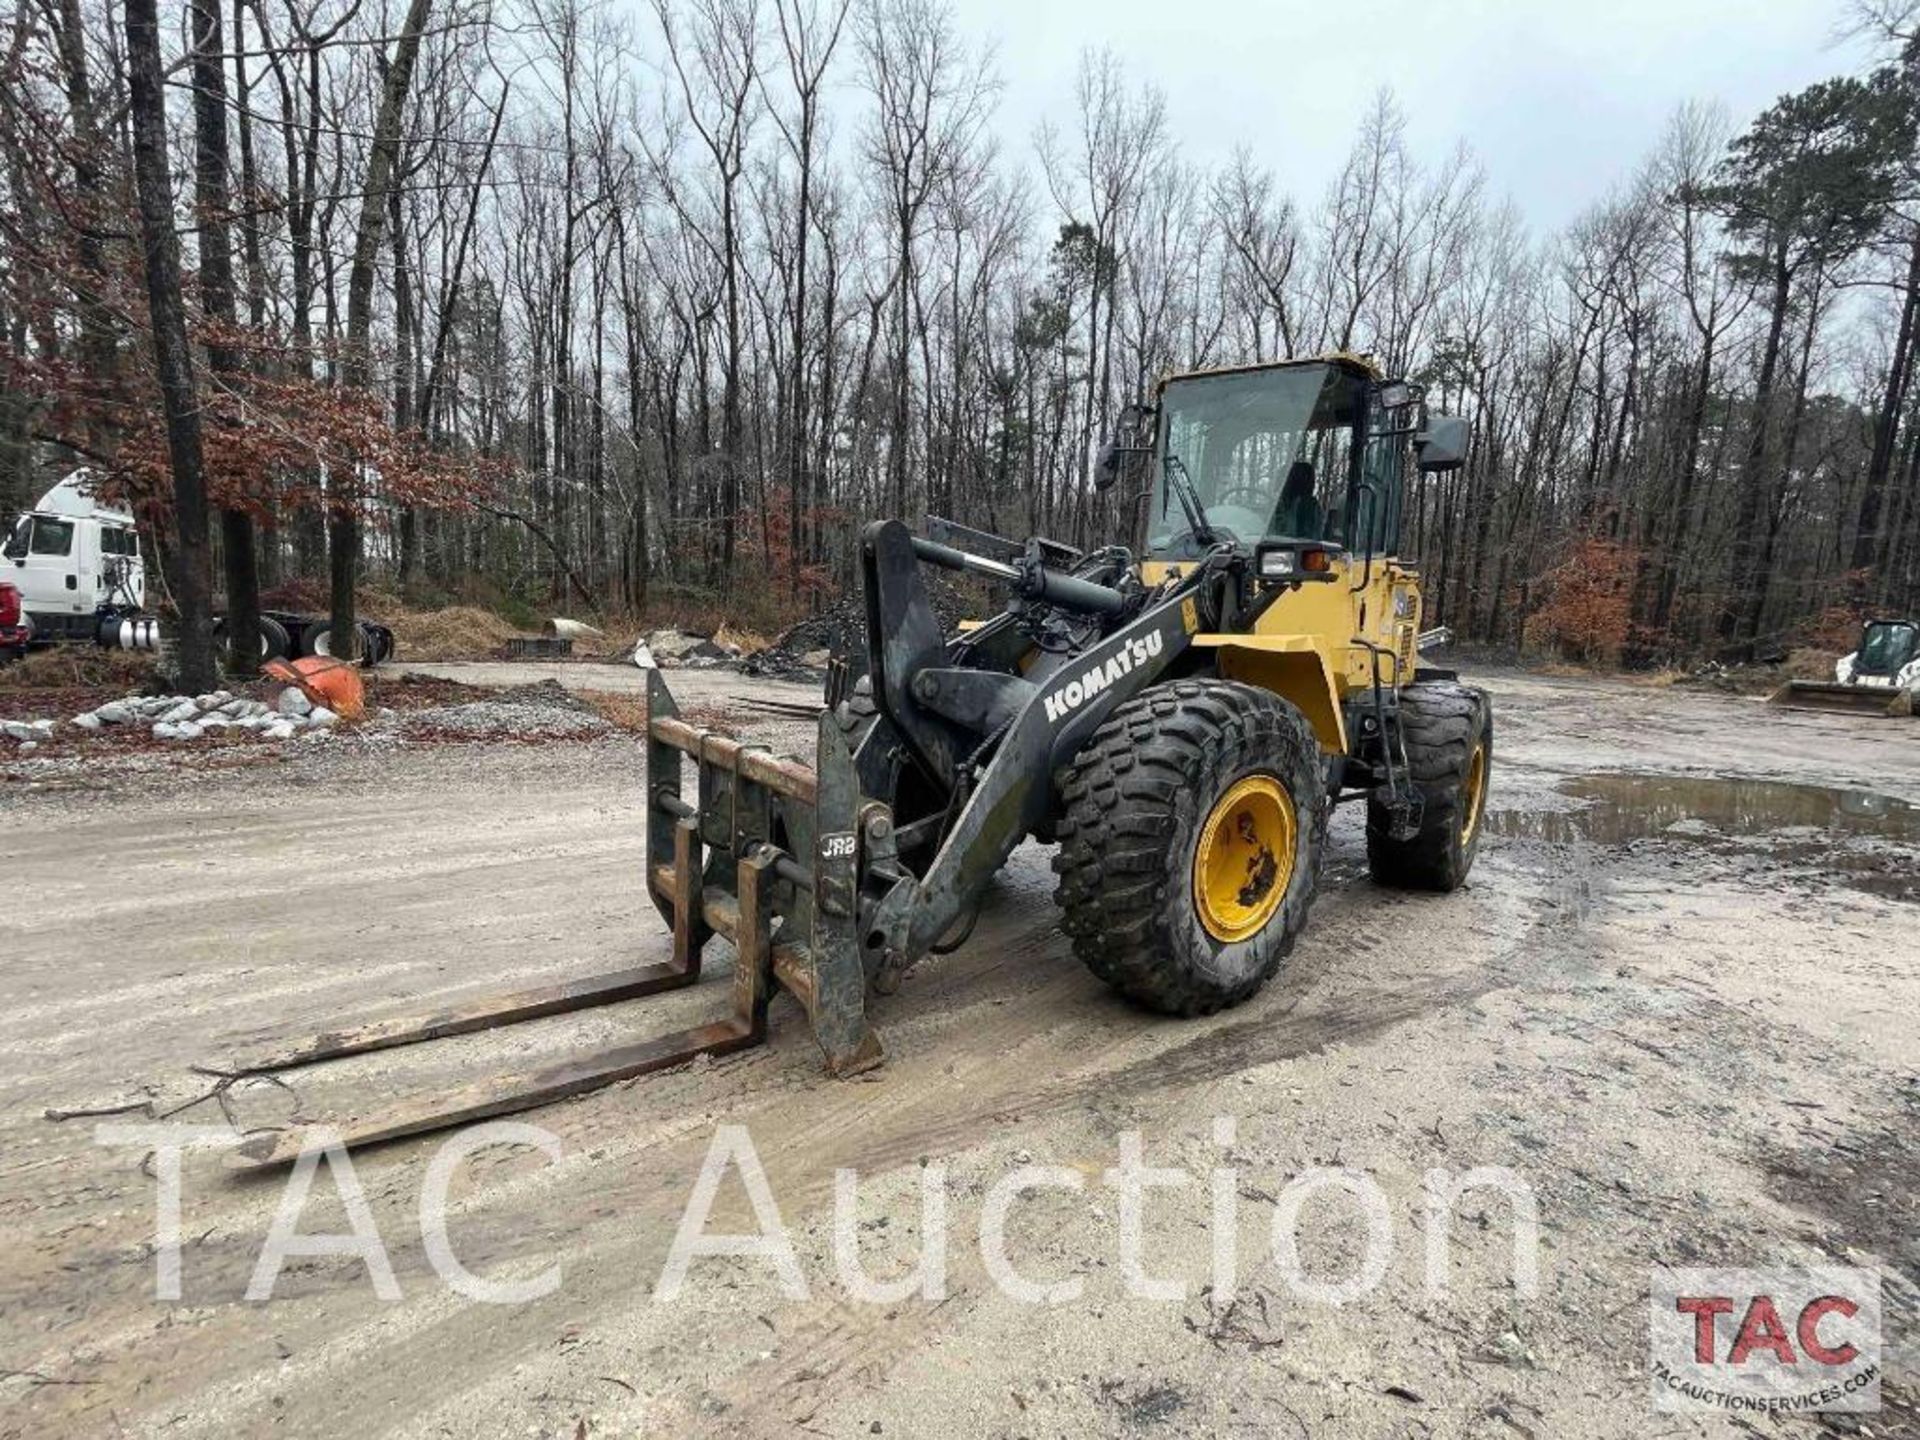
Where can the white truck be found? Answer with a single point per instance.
(72, 570)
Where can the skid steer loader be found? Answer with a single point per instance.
(1180, 725)
(1878, 678)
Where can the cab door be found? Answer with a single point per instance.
(45, 565)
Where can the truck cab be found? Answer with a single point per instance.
(73, 560)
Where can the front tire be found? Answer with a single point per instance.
(1191, 832)
(1448, 732)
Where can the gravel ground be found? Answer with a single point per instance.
(543, 710)
(1690, 1052)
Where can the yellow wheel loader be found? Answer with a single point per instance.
(1180, 724)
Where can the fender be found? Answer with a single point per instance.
(1293, 667)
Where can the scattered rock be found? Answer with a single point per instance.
(1509, 1349)
(322, 717)
(27, 747)
(184, 710)
(114, 712)
(294, 702)
(89, 721)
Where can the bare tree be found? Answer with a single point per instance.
(343, 519)
(191, 572)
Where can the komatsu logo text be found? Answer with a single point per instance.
(1095, 678)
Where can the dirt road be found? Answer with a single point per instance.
(1680, 1013)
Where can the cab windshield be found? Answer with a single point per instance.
(39, 535)
(1270, 454)
(1886, 648)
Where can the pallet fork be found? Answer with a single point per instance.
(766, 858)
(832, 879)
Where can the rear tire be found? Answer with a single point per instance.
(1153, 786)
(273, 641)
(1444, 725)
(319, 641)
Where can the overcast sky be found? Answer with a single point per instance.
(1559, 100)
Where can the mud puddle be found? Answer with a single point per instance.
(1857, 835)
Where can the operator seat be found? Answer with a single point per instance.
(1298, 516)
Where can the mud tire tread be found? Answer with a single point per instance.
(1441, 721)
(1132, 803)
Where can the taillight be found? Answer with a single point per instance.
(9, 606)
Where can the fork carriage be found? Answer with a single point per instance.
(741, 863)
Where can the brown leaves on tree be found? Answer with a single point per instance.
(277, 439)
(1585, 612)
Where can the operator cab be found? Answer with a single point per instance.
(1886, 648)
(1306, 451)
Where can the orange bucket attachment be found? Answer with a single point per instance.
(335, 684)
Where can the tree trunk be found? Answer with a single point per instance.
(343, 518)
(1867, 548)
(191, 573)
(403, 347)
(98, 344)
(217, 300)
(1736, 613)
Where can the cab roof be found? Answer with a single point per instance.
(1359, 366)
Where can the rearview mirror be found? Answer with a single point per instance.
(1442, 445)
(1127, 451)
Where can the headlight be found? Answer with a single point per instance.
(1276, 564)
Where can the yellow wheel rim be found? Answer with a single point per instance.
(1476, 793)
(1244, 861)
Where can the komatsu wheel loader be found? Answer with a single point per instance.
(1180, 724)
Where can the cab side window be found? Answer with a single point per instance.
(52, 537)
(1377, 526)
(114, 541)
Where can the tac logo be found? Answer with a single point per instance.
(1792, 1341)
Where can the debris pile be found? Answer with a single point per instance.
(673, 649)
(802, 651)
(459, 632)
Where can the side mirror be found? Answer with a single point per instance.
(1127, 451)
(1442, 445)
